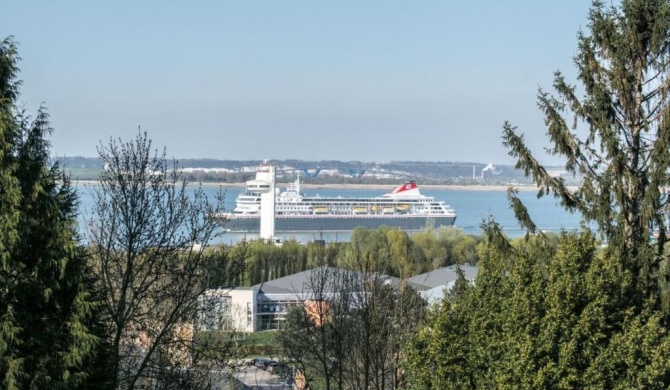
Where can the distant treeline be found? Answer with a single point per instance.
(396, 252)
(332, 171)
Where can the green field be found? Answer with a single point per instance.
(262, 343)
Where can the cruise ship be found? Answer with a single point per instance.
(404, 208)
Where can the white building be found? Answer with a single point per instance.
(228, 309)
(264, 306)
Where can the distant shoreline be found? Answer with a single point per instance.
(381, 187)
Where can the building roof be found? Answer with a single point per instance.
(436, 282)
(303, 283)
(295, 283)
(443, 276)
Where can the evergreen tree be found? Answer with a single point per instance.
(624, 154)
(45, 306)
(543, 318)
(574, 316)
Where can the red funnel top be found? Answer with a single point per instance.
(405, 187)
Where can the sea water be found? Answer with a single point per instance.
(472, 207)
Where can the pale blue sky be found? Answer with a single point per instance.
(347, 80)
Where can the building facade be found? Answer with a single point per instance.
(264, 306)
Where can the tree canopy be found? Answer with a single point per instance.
(575, 315)
(149, 239)
(46, 326)
(616, 136)
(543, 317)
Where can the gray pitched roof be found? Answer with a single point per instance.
(443, 276)
(302, 282)
(299, 282)
(299, 285)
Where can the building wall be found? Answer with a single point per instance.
(319, 311)
(228, 309)
(243, 309)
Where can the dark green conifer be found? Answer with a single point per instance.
(617, 135)
(572, 315)
(45, 306)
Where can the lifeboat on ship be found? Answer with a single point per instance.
(402, 207)
(360, 210)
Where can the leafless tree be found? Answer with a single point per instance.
(315, 334)
(386, 312)
(349, 330)
(149, 237)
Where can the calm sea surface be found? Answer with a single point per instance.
(471, 207)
